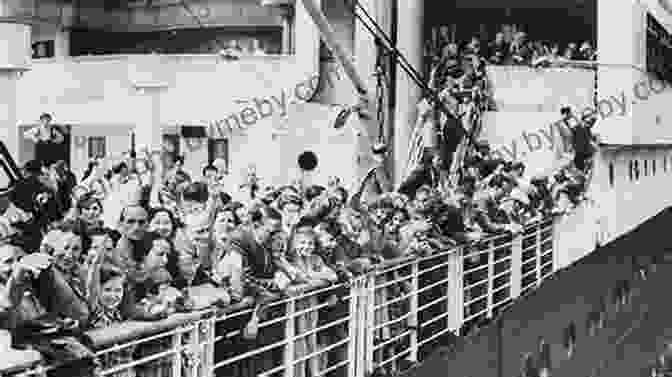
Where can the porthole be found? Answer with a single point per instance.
(569, 339)
(611, 174)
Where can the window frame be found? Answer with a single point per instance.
(212, 144)
(92, 146)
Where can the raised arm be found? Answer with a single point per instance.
(321, 272)
(93, 280)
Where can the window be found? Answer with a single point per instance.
(636, 168)
(611, 174)
(219, 148)
(631, 171)
(646, 167)
(96, 146)
(665, 164)
(43, 49)
(570, 339)
(653, 167)
(658, 50)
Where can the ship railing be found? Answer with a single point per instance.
(390, 318)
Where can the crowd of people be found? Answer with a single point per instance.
(125, 242)
(130, 238)
(509, 47)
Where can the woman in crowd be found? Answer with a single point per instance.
(106, 286)
(89, 214)
(164, 223)
(309, 270)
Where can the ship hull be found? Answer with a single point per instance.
(633, 327)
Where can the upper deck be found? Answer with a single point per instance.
(177, 50)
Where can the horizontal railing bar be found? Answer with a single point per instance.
(403, 334)
(444, 264)
(388, 283)
(392, 321)
(304, 358)
(507, 271)
(120, 347)
(473, 300)
(391, 359)
(437, 318)
(476, 315)
(507, 285)
(398, 263)
(484, 265)
(485, 280)
(430, 286)
(281, 343)
(333, 367)
(431, 303)
(393, 301)
(173, 351)
(434, 336)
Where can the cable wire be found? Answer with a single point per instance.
(405, 65)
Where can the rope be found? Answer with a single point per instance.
(400, 59)
(380, 91)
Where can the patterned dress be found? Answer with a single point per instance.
(102, 318)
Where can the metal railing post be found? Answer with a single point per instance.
(177, 355)
(491, 273)
(194, 355)
(455, 293)
(538, 252)
(290, 333)
(413, 318)
(516, 265)
(370, 323)
(353, 329)
(207, 329)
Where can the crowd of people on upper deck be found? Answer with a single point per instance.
(509, 47)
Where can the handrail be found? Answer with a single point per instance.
(433, 289)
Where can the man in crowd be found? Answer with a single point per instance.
(134, 239)
(582, 137)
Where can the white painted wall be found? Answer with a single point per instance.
(97, 94)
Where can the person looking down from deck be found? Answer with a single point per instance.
(48, 140)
